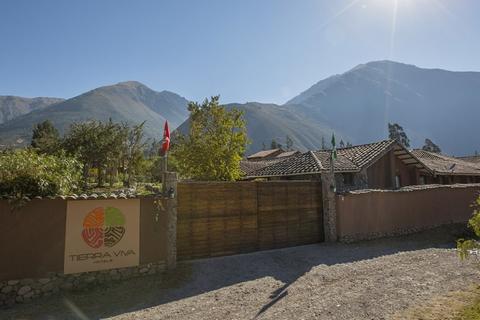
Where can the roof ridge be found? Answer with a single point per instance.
(317, 161)
(366, 144)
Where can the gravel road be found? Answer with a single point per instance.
(364, 280)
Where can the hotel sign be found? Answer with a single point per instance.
(102, 234)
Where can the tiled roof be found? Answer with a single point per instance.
(287, 154)
(445, 165)
(265, 153)
(249, 166)
(92, 196)
(474, 159)
(351, 159)
(363, 155)
(304, 163)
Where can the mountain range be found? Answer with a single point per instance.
(357, 105)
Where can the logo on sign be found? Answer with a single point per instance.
(103, 227)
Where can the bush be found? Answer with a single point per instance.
(466, 247)
(25, 173)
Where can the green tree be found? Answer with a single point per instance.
(26, 173)
(133, 152)
(45, 138)
(349, 144)
(432, 147)
(341, 144)
(466, 247)
(289, 143)
(215, 143)
(396, 132)
(324, 145)
(275, 145)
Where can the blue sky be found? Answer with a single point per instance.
(244, 50)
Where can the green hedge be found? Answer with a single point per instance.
(25, 173)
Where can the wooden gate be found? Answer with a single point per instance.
(289, 213)
(224, 218)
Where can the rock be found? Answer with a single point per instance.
(7, 289)
(23, 290)
(44, 280)
(90, 279)
(25, 282)
(48, 287)
(13, 282)
(143, 270)
(67, 286)
(19, 299)
(28, 295)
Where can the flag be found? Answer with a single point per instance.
(166, 139)
(334, 148)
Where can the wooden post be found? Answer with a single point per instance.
(170, 185)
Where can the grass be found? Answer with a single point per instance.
(471, 311)
(456, 305)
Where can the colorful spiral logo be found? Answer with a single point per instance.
(103, 227)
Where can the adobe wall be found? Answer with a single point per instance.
(32, 249)
(375, 213)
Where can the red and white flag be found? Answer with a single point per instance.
(166, 139)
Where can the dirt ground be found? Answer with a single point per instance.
(380, 279)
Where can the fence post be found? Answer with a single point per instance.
(329, 209)
(170, 187)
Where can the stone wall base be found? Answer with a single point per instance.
(25, 290)
(454, 228)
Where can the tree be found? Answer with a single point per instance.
(133, 152)
(275, 145)
(349, 144)
(430, 146)
(342, 144)
(324, 145)
(466, 247)
(396, 132)
(45, 138)
(289, 143)
(215, 142)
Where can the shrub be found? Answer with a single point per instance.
(466, 247)
(25, 173)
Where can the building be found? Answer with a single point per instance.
(264, 158)
(271, 154)
(380, 165)
(448, 170)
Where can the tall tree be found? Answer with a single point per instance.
(45, 137)
(341, 144)
(275, 145)
(215, 143)
(288, 143)
(430, 146)
(324, 145)
(396, 132)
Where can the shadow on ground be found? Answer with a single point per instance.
(196, 277)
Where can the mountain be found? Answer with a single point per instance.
(130, 101)
(429, 103)
(12, 106)
(270, 121)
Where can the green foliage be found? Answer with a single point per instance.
(396, 132)
(465, 247)
(45, 138)
(109, 148)
(214, 145)
(430, 146)
(26, 173)
(289, 143)
(275, 145)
